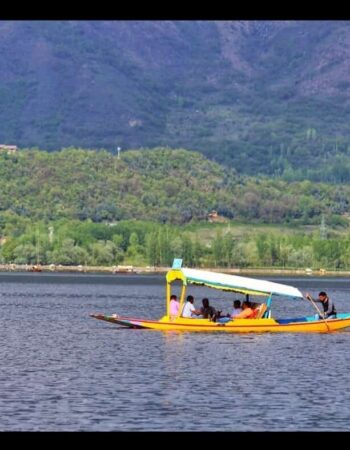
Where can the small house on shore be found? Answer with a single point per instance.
(9, 149)
(214, 217)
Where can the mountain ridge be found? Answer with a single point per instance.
(262, 96)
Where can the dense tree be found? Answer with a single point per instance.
(49, 202)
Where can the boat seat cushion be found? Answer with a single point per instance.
(296, 319)
(260, 311)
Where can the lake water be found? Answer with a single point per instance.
(62, 370)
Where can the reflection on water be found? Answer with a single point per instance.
(62, 370)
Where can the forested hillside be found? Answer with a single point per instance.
(161, 185)
(84, 207)
(268, 97)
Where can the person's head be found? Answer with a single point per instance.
(237, 304)
(173, 297)
(205, 302)
(246, 304)
(322, 296)
(190, 298)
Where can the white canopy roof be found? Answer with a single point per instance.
(238, 284)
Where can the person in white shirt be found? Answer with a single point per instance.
(189, 310)
(237, 308)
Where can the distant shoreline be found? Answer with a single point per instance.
(134, 270)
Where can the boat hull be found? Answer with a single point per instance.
(236, 326)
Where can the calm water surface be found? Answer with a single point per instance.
(62, 370)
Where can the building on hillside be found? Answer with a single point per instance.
(213, 216)
(8, 148)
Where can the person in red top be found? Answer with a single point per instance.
(247, 313)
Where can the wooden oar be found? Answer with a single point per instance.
(308, 297)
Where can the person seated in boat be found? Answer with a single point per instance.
(207, 311)
(174, 306)
(247, 311)
(329, 311)
(237, 309)
(189, 310)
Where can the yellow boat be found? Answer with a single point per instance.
(263, 321)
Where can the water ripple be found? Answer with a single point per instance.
(62, 370)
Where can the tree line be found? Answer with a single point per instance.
(144, 243)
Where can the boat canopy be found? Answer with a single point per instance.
(232, 283)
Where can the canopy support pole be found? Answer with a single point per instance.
(182, 298)
(268, 306)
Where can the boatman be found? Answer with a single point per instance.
(329, 311)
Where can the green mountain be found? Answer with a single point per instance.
(269, 97)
